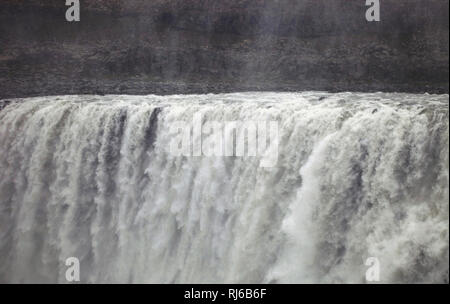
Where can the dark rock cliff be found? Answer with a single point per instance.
(185, 46)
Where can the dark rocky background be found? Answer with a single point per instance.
(187, 46)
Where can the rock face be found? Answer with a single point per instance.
(186, 46)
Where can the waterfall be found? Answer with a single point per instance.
(358, 175)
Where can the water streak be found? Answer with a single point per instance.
(358, 176)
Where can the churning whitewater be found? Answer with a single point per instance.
(358, 175)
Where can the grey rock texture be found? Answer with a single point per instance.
(199, 46)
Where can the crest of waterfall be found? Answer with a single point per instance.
(358, 175)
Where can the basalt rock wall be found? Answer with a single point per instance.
(186, 46)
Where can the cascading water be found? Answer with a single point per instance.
(358, 175)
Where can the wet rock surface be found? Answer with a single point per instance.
(173, 47)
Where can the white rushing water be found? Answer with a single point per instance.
(358, 175)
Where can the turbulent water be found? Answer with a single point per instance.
(358, 176)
